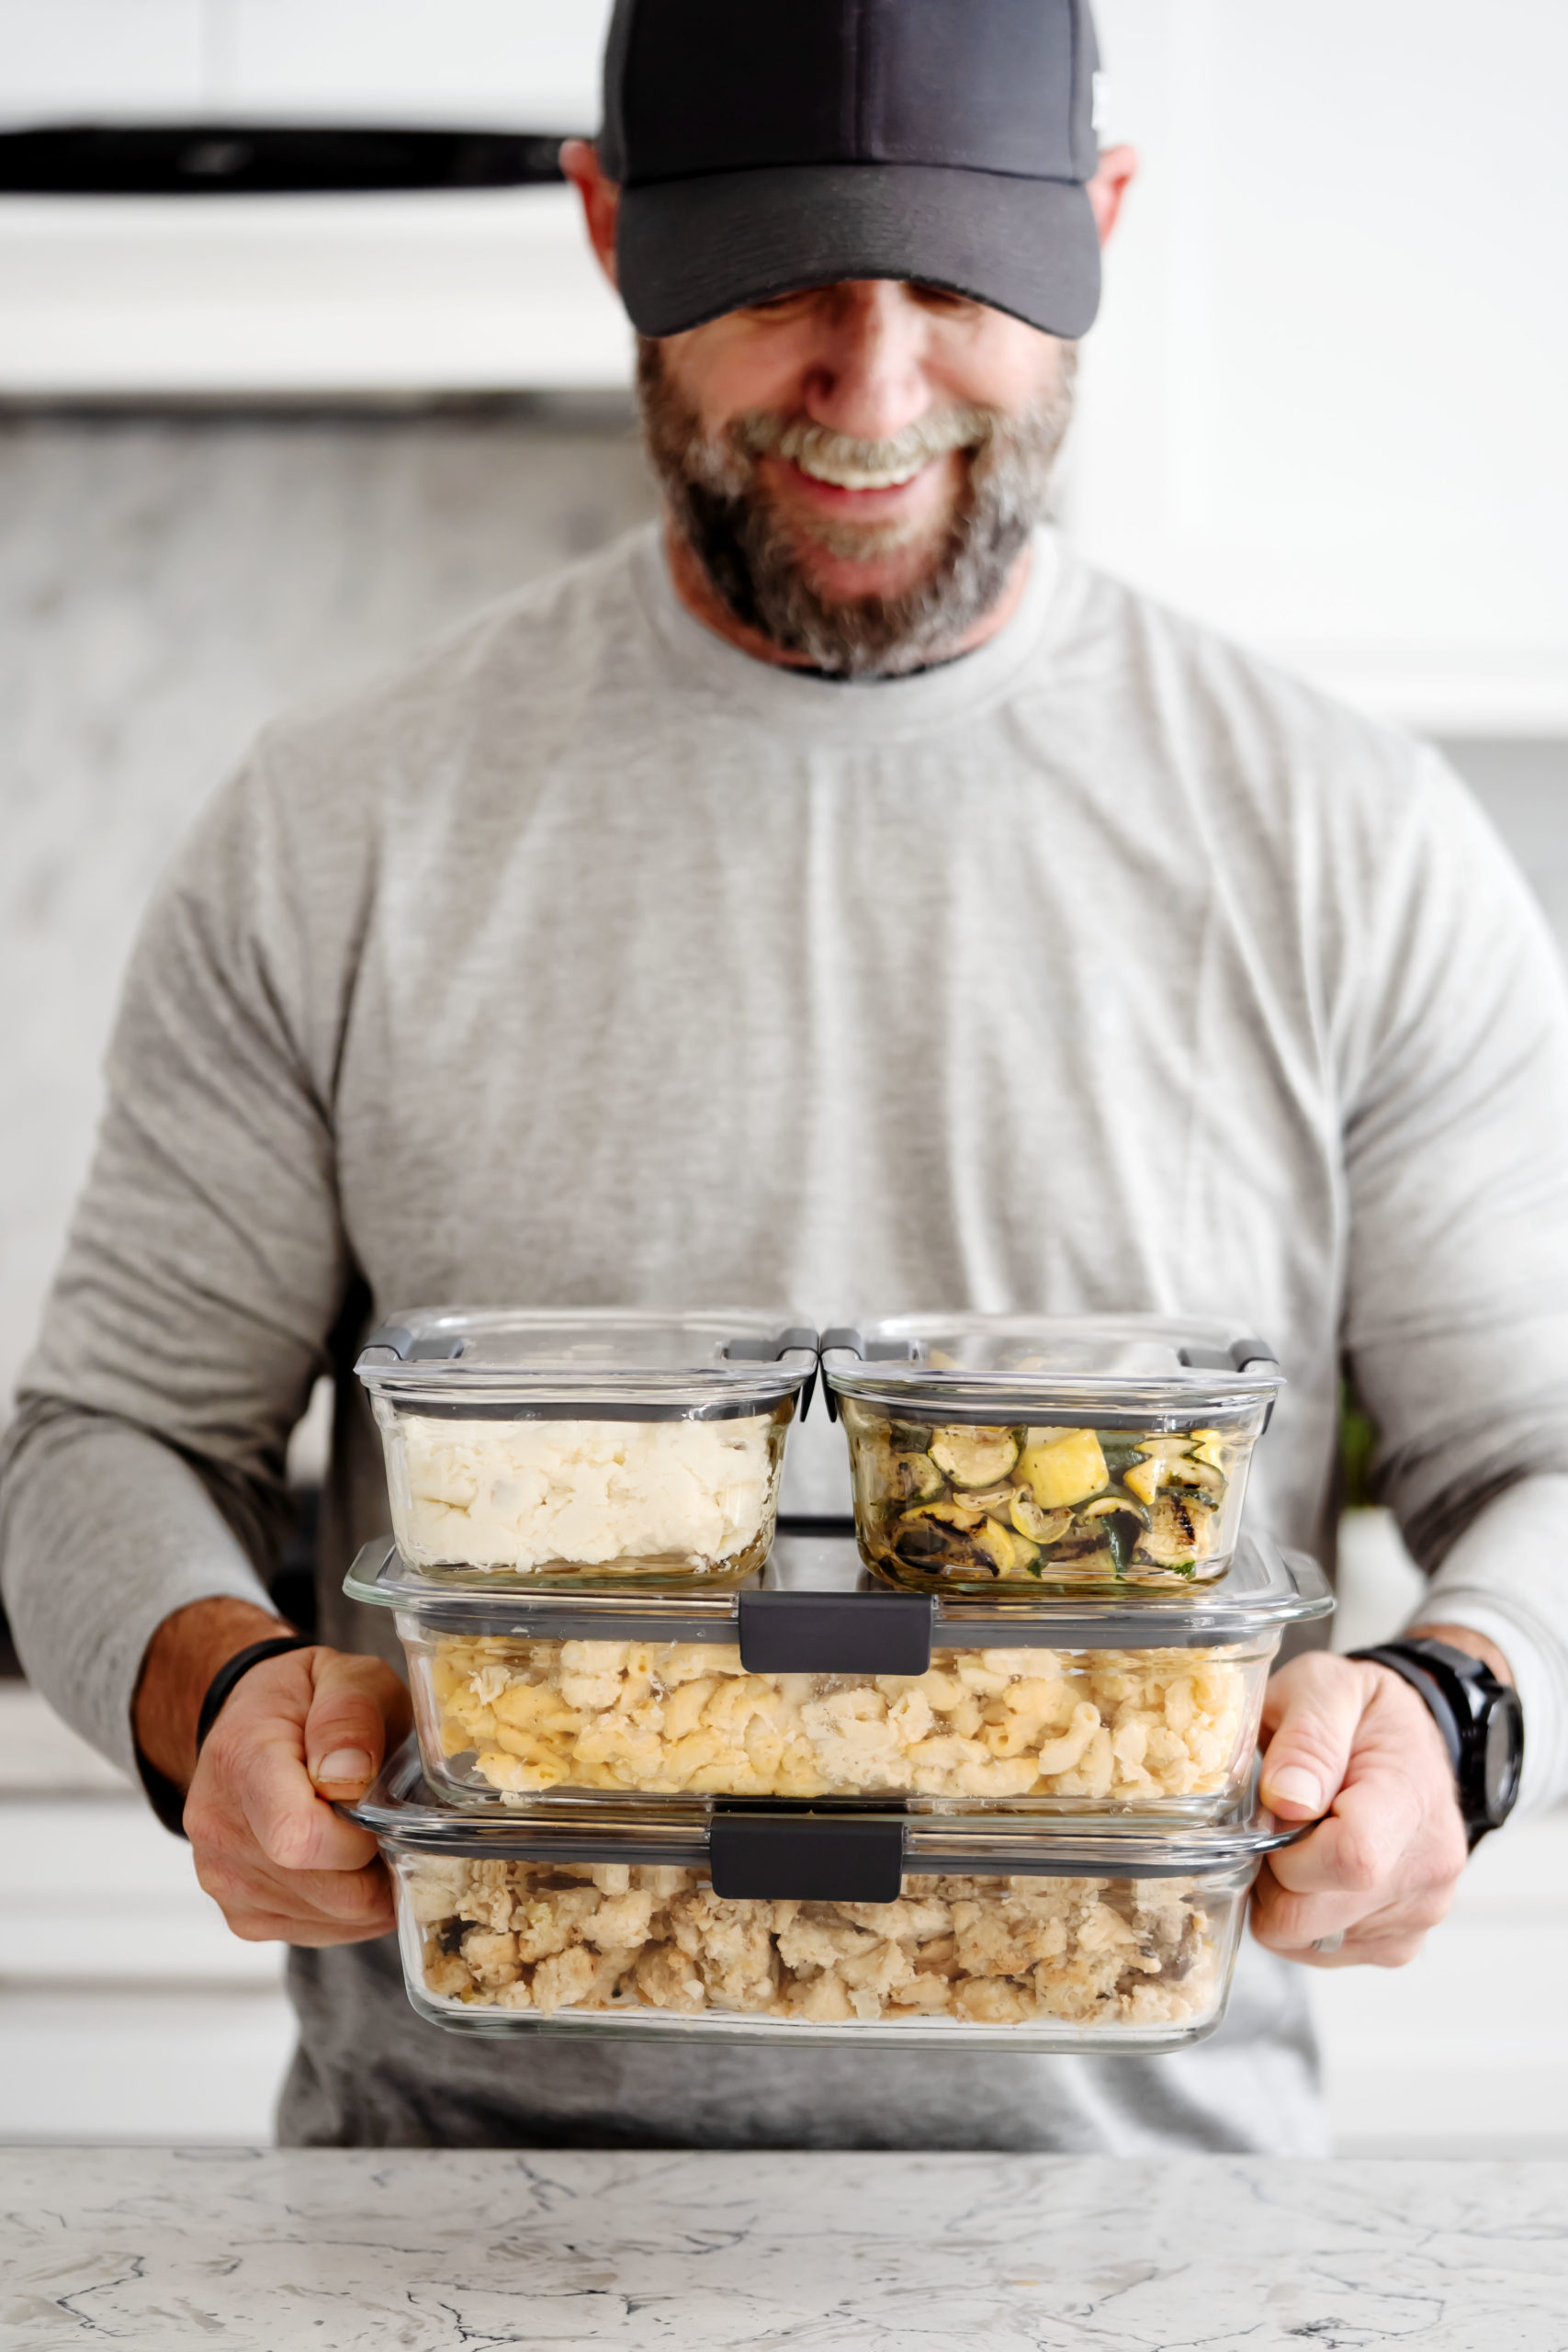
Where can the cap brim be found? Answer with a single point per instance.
(688, 249)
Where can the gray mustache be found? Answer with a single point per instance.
(765, 436)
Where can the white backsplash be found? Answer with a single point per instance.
(166, 585)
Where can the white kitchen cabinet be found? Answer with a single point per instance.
(163, 2064)
(327, 296)
(1323, 406)
(76, 58)
(1465, 2052)
(531, 62)
(128, 2011)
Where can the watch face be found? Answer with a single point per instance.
(1505, 1754)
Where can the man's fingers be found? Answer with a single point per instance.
(1315, 1714)
(325, 1706)
(301, 1935)
(268, 1846)
(1375, 1820)
(295, 1828)
(1287, 1921)
(242, 1881)
(255, 1922)
(1385, 1935)
(358, 1703)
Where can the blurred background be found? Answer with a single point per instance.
(303, 356)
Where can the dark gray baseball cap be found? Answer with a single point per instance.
(765, 145)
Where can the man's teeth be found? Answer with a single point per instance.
(860, 477)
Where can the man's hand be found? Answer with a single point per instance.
(1352, 1742)
(296, 1733)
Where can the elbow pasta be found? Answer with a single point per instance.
(1118, 1727)
(981, 1952)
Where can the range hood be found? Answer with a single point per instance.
(376, 265)
(237, 158)
(302, 200)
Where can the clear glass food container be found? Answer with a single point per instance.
(1066, 1453)
(801, 1928)
(557, 1447)
(815, 1682)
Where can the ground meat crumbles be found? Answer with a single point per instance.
(984, 1951)
(673, 1717)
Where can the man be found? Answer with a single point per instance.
(842, 897)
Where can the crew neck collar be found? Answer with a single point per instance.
(873, 709)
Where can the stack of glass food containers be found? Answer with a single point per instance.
(976, 1769)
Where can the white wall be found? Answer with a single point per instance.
(531, 62)
(166, 585)
(1324, 404)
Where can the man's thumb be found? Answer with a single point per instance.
(1305, 1762)
(346, 1730)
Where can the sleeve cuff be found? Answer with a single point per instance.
(1499, 1582)
(166, 1801)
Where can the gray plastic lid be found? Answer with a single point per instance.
(587, 1363)
(404, 1814)
(1105, 1368)
(841, 1611)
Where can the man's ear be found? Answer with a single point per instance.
(1117, 169)
(601, 200)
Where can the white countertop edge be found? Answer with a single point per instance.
(344, 2250)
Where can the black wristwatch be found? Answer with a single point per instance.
(1481, 1719)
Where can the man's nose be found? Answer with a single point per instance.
(868, 377)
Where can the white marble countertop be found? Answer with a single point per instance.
(342, 2251)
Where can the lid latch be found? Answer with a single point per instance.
(836, 1632)
(806, 1857)
(395, 1344)
(798, 1341)
(848, 1340)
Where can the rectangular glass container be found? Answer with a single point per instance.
(598, 1445)
(815, 1683)
(872, 1930)
(1066, 1453)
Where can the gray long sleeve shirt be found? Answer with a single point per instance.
(588, 961)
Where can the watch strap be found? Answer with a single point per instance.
(234, 1670)
(1444, 1677)
(1403, 1659)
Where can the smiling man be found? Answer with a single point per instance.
(840, 895)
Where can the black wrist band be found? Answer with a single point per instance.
(1478, 1716)
(236, 1668)
(1425, 1685)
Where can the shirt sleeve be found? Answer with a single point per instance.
(204, 1269)
(1456, 1279)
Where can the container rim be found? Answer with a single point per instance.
(406, 1817)
(1213, 1366)
(455, 1359)
(1263, 1590)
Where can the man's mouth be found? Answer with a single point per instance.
(838, 476)
(844, 466)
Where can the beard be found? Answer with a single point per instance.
(760, 567)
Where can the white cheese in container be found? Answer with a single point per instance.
(594, 1443)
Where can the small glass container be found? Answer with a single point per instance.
(599, 1445)
(803, 1928)
(1065, 1454)
(814, 1683)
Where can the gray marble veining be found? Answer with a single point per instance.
(168, 583)
(345, 2251)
